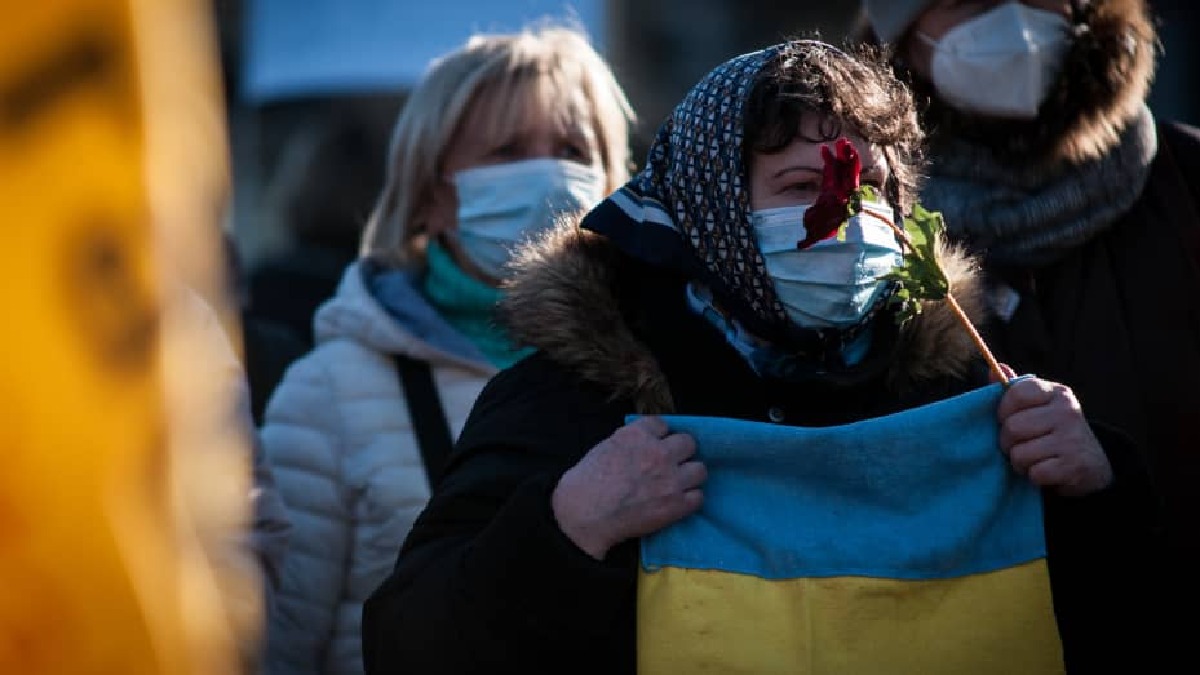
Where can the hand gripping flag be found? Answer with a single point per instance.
(902, 544)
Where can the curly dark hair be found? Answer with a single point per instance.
(855, 87)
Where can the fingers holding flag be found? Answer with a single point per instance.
(1045, 436)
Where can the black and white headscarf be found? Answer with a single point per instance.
(689, 208)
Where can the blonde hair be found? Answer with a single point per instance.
(487, 64)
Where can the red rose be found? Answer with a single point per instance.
(839, 180)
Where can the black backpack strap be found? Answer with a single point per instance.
(428, 417)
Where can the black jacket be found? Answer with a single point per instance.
(1118, 319)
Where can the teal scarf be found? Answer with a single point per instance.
(469, 305)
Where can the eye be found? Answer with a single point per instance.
(570, 151)
(508, 150)
(574, 151)
(801, 187)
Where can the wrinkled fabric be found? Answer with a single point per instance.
(919, 494)
(868, 547)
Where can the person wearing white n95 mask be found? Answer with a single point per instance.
(502, 205)
(1002, 62)
(1078, 212)
(991, 58)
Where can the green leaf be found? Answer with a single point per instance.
(919, 276)
(854, 207)
(865, 193)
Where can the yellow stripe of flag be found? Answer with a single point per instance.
(708, 621)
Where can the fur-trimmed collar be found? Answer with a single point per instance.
(561, 301)
(1103, 85)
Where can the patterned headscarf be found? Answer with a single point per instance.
(689, 208)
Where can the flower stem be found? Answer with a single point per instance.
(993, 364)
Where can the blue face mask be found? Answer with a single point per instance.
(502, 205)
(831, 284)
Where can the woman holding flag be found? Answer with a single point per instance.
(765, 285)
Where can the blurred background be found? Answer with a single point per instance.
(313, 86)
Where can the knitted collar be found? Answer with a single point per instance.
(1030, 216)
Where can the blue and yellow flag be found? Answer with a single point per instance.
(902, 544)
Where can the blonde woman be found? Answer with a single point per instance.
(500, 136)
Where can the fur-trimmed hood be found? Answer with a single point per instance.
(1103, 84)
(562, 301)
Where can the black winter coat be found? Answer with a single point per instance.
(1118, 320)
(487, 582)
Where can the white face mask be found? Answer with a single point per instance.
(1002, 62)
(502, 205)
(831, 284)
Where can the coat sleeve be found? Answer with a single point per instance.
(270, 526)
(1110, 540)
(302, 437)
(486, 581)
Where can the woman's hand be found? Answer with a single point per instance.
(1045, 436)
(637, 481)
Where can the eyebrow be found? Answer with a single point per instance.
(875, 166)
(787, 169)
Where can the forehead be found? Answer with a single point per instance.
(805, 147)
(521, 103)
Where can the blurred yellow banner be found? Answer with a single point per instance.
(109, 528)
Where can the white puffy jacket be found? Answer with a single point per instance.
(340, 442)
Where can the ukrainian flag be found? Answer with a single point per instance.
(902, 544)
